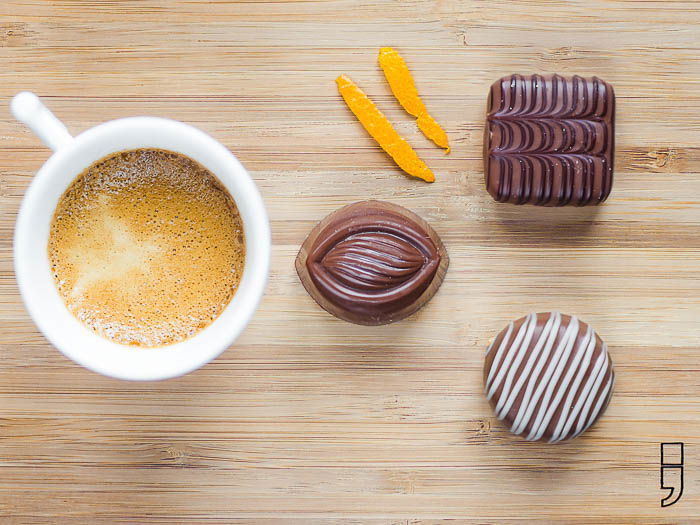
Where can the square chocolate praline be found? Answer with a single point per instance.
(550, 140)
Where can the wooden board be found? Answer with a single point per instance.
(310, 420)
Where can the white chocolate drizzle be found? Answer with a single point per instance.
(561, 377)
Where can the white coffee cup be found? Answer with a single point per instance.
(71, 156)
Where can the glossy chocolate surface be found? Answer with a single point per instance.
(549, 140)
(372, 263)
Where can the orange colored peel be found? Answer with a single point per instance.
(404, 88)
(381, 130)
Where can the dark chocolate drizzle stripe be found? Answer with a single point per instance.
(549, 140)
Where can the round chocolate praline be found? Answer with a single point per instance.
(548, 377)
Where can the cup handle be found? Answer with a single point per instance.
(27, 108)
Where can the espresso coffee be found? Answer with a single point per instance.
(146, 247)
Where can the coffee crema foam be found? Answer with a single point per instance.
(146, 247)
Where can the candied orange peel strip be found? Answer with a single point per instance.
(381, 130)
(404, 88)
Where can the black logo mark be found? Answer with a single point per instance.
(672, 472)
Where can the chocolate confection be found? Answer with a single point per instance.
(550, 140)
(372, 263)
(548, 377)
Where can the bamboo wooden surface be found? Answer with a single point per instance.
(310, 420)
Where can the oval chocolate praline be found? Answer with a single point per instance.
(372, 263)
(548, 377)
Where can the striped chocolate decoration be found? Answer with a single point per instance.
(548, 376)
(550, 140)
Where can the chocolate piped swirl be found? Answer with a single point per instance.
(550, 140)
(372, 263)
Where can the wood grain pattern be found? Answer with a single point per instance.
(311, 420)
